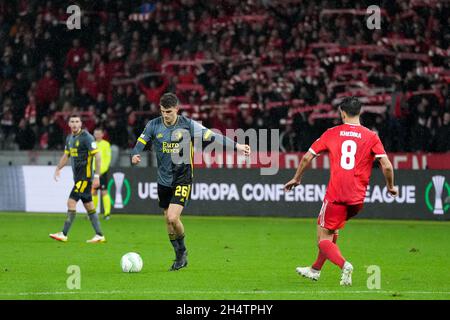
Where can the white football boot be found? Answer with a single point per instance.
(97, 239)
(59, 236)
(308, 272)
(346, 278)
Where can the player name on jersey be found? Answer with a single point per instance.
(350, 134)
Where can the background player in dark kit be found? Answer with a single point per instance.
(81, 148)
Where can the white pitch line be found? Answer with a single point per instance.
(218, 292)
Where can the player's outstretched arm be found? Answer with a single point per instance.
(227, 142)
(141, 142)
(304, 163)
(388, 172)
(135, 154)
(62, 162)
(207, 135)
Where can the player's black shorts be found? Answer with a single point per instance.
(179, 194)
(82, 191)
(103, 181)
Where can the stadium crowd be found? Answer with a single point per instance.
(234, 64)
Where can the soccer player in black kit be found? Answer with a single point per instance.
(81, 148)
(172, 136)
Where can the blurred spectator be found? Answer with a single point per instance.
(289, 140)
(7, 120)
(154, 92)
(47, 89)
(117, 133)
(25, 137)
(420, 136)
(101, 106)
(442, 138)
(75, 57)
(50, 134)
(86, 80)
(308, 133)
(143, 104)
(217, 121)
(83, 99)
(31, 111)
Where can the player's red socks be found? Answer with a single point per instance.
(321, 257)
(331, 252)
(319, 262)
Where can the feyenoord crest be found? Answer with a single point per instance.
(441, 187)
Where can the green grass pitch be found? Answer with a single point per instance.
(229, 258)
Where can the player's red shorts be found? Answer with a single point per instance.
(333, 216)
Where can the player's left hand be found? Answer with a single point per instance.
(56, 175)
(96, 183)
(291, 185)
(393, 191)
(244, 148)
(136, 159)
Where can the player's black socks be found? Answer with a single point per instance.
(173, 241)
(69, 220)
(181, 245)
(93, 216)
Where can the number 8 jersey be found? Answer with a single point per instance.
(352, 149)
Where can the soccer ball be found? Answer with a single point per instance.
(131, 262)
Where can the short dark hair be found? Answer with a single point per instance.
(169, 100)
(74, 115)
(351, 106)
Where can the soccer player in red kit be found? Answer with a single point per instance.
(352, 149)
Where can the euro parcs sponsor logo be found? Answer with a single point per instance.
(441, 189)
(122, 190)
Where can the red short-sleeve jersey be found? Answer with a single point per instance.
(352, 150)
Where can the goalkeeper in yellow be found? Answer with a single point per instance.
(105, 150)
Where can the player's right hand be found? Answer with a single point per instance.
(393, 191)
(291, 184)
(96, 183)
(136, 159)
